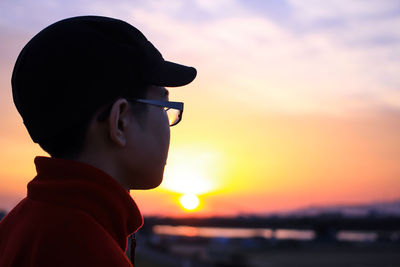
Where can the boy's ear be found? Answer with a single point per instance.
(118, 122)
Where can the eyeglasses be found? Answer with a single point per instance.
(174, 109)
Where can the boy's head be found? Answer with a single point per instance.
(78, 73)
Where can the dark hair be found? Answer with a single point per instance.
(69, 143)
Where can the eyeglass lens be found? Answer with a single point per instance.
(174, 116)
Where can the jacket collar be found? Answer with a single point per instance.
(80, 186)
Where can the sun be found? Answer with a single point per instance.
(189, 201)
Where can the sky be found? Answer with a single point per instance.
(296, 103)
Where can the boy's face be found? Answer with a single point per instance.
(147, 147)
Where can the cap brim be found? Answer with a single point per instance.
(170, 74)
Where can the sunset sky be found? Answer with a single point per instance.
(296, 102)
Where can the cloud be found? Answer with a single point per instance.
(264, 64)
(255, 61)
(217, 6)
(352, 22)
(312, 10)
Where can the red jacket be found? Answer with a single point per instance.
(73, 215)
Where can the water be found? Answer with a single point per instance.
(357, 236)
(280, 234)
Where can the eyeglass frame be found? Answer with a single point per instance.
(162, 103)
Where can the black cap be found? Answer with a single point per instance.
(74, 66)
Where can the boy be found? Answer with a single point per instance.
(91, 93)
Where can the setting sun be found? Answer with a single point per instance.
(189, 201)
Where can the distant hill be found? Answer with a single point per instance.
(378, 209)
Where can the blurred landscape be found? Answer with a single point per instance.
(342, 235)
(363, 235)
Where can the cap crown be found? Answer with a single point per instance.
(74, 66)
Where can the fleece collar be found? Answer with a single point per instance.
(80, 186)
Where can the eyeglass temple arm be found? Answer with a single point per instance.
(161, 103)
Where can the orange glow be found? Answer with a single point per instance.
(275, 120)
(191, 170)
(178, 230)
(189, 201)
